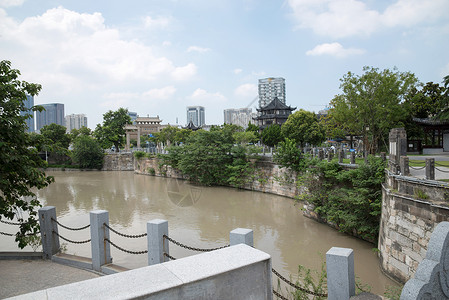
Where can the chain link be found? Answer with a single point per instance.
(12, 223)
(279, 295)
(70, 228)
(124, 250)
(125, 235)
(441, 165)
(296, 286)
(8, 234)
(416, 168)
(70, 241)
(441, 170)
(192, 248)
(169, 256)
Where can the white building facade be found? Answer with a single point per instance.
(75, 121)
(270, 88)
(240, 117)
(196, 115)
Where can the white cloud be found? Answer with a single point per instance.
(237, 71)
(157, 22)
(10, 3)
(198, 49)
(162, 93)
(333, 49)
(203, 97)
(184, 73)
(247, 90)
(344, 18)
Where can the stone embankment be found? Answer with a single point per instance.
(118, 162)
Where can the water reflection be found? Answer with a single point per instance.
(200, 217)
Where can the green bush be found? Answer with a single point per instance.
(139, 154)
(87, 153)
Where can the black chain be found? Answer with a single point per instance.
(8, 234)
(124, 250)
(69, 228)
(70, 241)
(125, 235)
(440, 165)
(441, 170)
(12, 223)
(279, 295)
(192, 248)
(416, 168)
(169, 256)
(296, 286)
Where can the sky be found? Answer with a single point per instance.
(156, 57)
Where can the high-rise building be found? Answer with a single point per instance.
(52, 113)
(270, 88)
(29, 103)
(196, 115)
(240, 117)
(133, 115)
(75, 121)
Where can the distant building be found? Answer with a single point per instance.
(270, 88)
(29, 103)
(275, 112)
(143, 126)
(52, 113)
(133, 116)
(75, 121)
(196, 115)
(240, 117)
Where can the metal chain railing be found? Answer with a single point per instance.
(441, 165)
(70, 228)
(296, 286)
(12, 223)
(125, 235)
(71, 241)
(169, 256)
(279, 295)
(444, 171)
(124, 250)
(8, 234)
(416, 168)
(192, 248)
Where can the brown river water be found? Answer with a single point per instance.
(199, 217)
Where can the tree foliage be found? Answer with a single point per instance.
(369, 104)
(304, 128)
(57, 138)
(271, 135)
(289, 156)
(112, 132)
(20, 166)
(87, 152)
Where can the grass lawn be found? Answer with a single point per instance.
(422, 163)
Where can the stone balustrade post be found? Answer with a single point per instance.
(320, 154)
(430, 168)
(341, 155)
(241, 236)
(50, 240)
(340, 273)
(383, 156)
(101, 249)
(404, 165)
(365, 156)
(157, 245)
(352, 158)
(330, 154)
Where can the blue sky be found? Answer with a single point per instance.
(156, 57)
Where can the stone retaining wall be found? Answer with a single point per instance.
(118, 162)
(407, 222)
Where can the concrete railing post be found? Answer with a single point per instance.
(330, 155)
(365, 156)
(383, 156)
(157, 245)
(352, 158)
(404, 165)
(50, 241)
(430, 168)
(320, 154)
(241, 236)
(341, 155)
(340, 273)
(101, 249)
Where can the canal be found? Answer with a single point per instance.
(199, 217)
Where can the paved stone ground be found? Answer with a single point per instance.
(25, 276)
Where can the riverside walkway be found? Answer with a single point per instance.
(21, 276)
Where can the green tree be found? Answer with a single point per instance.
(20, 166)
(369, 104)
(112, 132)
(271, 135)
(288, 155)
(168, 135)
(245, 137)
(57, 136)
(87, 152)
(304, 128)
(253, 128)
(80, 132)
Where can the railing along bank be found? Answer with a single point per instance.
(340, 263)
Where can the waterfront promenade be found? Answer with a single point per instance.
(19, 277)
